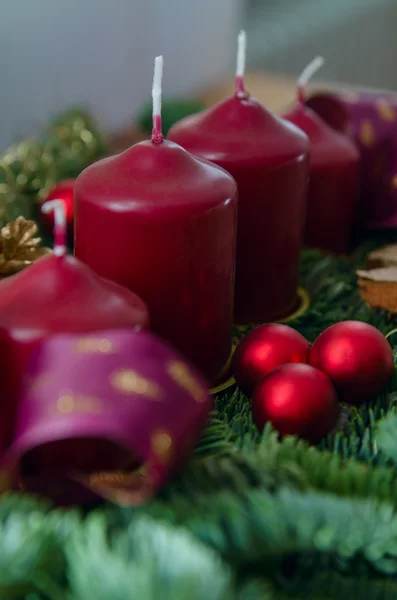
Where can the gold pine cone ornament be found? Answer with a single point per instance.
(19, 246)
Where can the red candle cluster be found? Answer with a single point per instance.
(161, 220)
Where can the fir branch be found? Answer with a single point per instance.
(262, 530)
(29, 546)
(386, 435)
(328, 585)
(148, 561)
(328, 472)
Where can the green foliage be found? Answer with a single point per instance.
(30, 168)
(146, 560)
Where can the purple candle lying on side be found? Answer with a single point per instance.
(370, 119)
(114, 413)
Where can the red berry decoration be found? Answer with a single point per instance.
(264, 349)
(356, 357)
(64, 190)
(297, 400)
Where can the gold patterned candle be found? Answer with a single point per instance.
(371, 121)
(115, 412)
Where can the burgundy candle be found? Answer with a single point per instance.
(268, 158)
(334, 175)
(163, 223)
(56, 294)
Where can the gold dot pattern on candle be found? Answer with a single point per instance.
(128, 382)
(367, 133)
(162, 445)
(101, 345)
(385, 110)
(69, 403)
(180, 373)
(117, 478)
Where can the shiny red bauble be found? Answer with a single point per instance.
(264, 349)
(356, 357)
(298, 400)
(64, 190)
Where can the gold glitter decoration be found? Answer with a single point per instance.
(180, 373)
(162, 445)
(126, 488)
(68, 403)
(100, 345)
(19, 246)
(128, 381)
(385, 110)
(367, 133)
(31, 168)
(116, 478)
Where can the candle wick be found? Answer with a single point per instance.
(58, 208)
(240, 66)
(157, 134)
(306, 75)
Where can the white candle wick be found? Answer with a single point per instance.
(157, 135)
(307, 74)
(240, 65)
(58, 208)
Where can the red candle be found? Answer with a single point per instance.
(162, 222)
(57, 294)
(268, 158)
(334, 175)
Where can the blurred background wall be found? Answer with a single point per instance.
(55, 53)
(356, 37)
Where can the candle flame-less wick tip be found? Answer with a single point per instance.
(307, 74)
(240, 65)
(157, 134)
(58, 208)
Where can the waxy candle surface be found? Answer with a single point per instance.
(268, 159)
(163, 223)
(334, 182)
(370, 120)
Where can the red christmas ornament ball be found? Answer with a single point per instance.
(264, 349)
(356, 357)
(298, 400)
(64, 190)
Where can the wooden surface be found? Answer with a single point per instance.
(275, 92)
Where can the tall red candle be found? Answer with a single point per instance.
(162, 222)
(268, 158)
(57, 294)
(334, 176)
